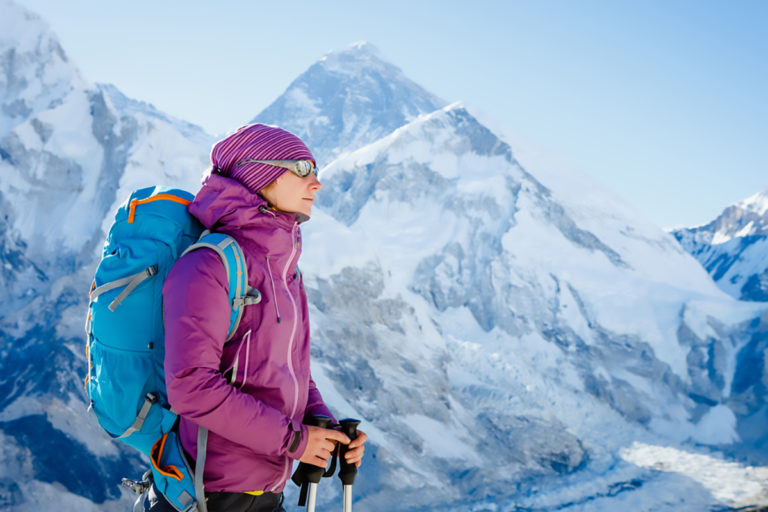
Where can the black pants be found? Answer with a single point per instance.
(239, 502)
(153, 501)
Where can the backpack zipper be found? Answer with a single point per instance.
(159, 197)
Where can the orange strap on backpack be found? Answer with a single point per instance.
(155, 456)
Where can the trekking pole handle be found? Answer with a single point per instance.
(315, 473)
(320, 421)
(348, 471)
(307, 476)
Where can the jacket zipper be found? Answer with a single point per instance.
(291, 370)
(295, 323)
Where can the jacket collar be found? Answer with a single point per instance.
(224, 204)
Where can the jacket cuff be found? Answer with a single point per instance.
(297, 440)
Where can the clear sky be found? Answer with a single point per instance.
(665, 102)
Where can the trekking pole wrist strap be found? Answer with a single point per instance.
(295, 442)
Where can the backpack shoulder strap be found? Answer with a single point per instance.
(232, 256)
(202, 442)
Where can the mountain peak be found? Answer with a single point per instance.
(363, 46)
(359, 48)
(732, 247)
(746, 217)
(348, 99)
(757, 204)
(19, 26)
(356, 57)
(35, 72)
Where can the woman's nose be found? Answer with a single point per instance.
(315, 183)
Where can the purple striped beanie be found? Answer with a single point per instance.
(260, 142)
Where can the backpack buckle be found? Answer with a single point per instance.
(138, 486)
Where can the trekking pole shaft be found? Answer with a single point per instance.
(312, 497)
(347, 498)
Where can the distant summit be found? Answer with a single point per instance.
(733, 247)
(347, 99)
(744, 218)
(35, 72)
(356, 55)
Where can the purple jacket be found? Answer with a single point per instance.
(254, 392)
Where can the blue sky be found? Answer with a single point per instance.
(665, 102)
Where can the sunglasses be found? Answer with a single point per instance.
(301, 168)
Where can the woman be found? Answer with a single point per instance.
(254, 392)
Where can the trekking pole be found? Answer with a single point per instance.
(307, 476)
(348, 471)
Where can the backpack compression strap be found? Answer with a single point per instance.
(130, 283)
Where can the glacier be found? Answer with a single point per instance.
(513, 336)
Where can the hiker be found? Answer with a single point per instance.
(254, 392)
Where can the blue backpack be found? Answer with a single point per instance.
(125, 345)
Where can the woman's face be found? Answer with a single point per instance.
(291, 193)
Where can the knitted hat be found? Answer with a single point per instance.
(259, 142)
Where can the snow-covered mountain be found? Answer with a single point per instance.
(69, 152)
(512, 337)
(542, 335)
(734, 248)
(347, 99)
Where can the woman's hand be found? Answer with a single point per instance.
(357, 449)
(321, 445)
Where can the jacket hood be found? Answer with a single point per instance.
(225, 204)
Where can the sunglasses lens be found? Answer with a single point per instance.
(304, 167)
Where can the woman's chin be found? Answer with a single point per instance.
(306, 209)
